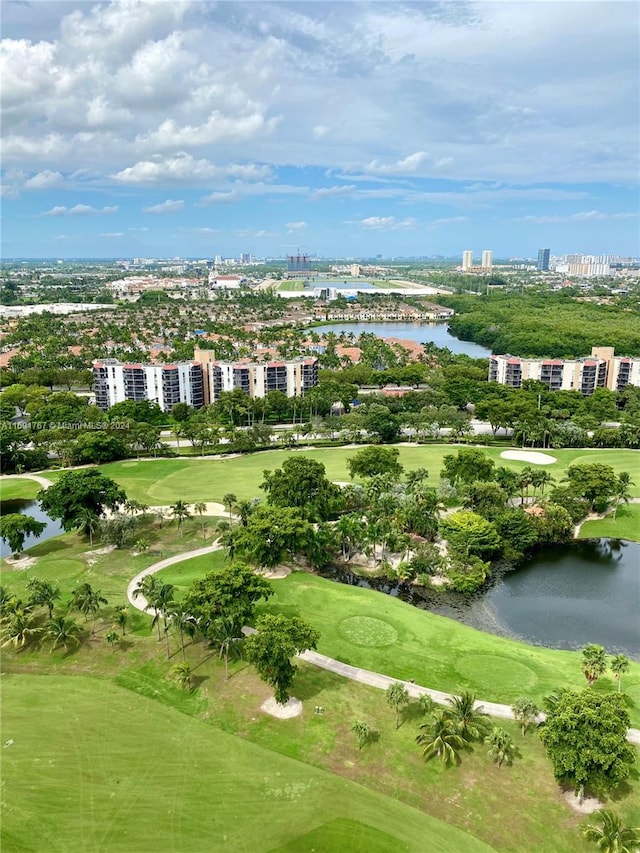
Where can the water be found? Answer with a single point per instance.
(564, 597)
(435, 333)
(569, 595)
(32, 508)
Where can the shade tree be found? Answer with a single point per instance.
(15, 527)
(78, 491)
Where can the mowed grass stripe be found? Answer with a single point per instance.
(106, 769)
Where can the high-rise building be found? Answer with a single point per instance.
(298, 265)
(467, 260)
(543, 260)
(487, 260)
(245, 257)
(164, 384)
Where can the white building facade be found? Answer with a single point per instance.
(164, 384)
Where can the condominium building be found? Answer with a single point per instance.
(467, 260)
(487, 260)
(293, 377)
(603, 369)
(164, 384)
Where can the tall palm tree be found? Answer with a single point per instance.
(89, 522)
(469, 720)
(440, 739)
(183, 622)
(540, 480)
(622, 493)
(230, 501)
(611, 835)
(397, 695)
(163, 602)
(62, 631)
(525, 712)
(227, 636)
(200, 508)
(180, 511)
(619, 665)
(594, 662)
(43, 594)
(502, 748)
(148, 587)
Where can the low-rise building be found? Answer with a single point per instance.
(603, 369)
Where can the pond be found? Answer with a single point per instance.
(566, 596)
(29, 507)
(435, 333)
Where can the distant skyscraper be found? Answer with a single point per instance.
(543, 260)
(245, 258)
(487, 259)
(467, 260)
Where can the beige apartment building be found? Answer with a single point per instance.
(256, 378)
(603, 369)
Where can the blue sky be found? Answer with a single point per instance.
(345, 129)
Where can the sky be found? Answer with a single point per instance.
(342, 129)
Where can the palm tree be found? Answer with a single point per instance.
(397, 695)
(163, 602)
(228, 638)
(62, 631)
(87, 600)
(89, 522)
(619, 665)
(611, 835)
(180, 511)
(594, 662)
(440, 738)
(184, 622)
(21, 628)
(525, 712)
(120, 618)
(468, 719)
(201, 509)
(230, 501)
(362, 730)
(350, 532)
(182, 674)
(245, 508)
(502, 748)
(540, 480)
(43, 594)
(622, 493)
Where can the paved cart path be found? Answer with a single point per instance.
(355, 673)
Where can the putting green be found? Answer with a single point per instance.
(367, 631)
(477, 669)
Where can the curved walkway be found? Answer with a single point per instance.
(355, 673)
(43, 481)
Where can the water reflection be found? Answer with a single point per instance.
(32, 508)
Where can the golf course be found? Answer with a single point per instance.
(102, 750)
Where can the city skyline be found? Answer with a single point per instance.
(348, 130)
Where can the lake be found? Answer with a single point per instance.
(29, 507)
(435, 333)
(587, 591)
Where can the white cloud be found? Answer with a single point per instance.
(384, 223)
(320, 130)
(168, 206)
(79, 210)
(452, 220)
(112, 234)
(581, 216)
(407, 166)
(338, 191)
(183, 168)
(44, 180)
(295, 226)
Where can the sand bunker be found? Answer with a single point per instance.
(531, 456)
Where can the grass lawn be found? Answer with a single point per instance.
(294, 284)
(18, 489)
(91, 766)
(167, 480)
(625, 526)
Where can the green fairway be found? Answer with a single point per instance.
(625, 526)
(164, 481)
(379, 632)
(18, 489)
(89, 766)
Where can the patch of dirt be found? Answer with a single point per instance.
(99, 551)
(293, 708)
(589, 805)
(276, 574)
(21, 563)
